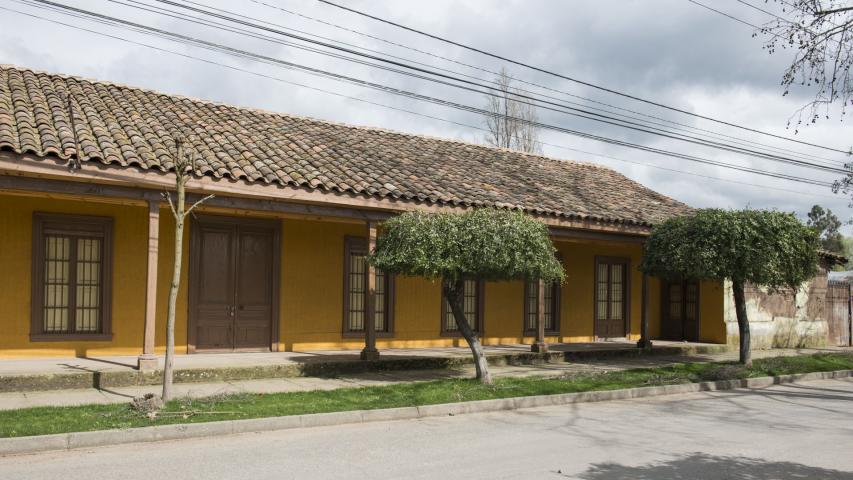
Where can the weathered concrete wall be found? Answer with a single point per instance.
(782, 319)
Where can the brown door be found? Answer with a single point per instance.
(680, 312)
(611, 298)
(838, 313)
(232, 294)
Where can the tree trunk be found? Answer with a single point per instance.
(455, 294)
(742, 322)
(173, 293)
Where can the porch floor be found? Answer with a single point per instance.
(78, 396)
(49, 366)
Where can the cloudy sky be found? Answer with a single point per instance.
(670, 51)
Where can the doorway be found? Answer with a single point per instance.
(680, 311)
(233, 288)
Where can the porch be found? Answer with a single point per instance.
(60, 382)
(38, 374)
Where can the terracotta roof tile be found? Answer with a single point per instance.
(128, 126)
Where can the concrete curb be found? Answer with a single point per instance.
(69, 441)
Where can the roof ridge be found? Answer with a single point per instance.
(263, 111)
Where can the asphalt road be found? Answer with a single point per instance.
(801, 431)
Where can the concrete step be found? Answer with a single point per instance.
(324, 368)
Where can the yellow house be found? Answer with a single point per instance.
(275, 260)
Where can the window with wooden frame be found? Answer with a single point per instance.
(531, 307)
(71, 278)
(611, 296)
(472, 306)
(355, 291)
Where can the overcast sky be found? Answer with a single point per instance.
(670, 51)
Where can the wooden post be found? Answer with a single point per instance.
(539, 345)
(645, 342)
(148, 361)
(370, 352)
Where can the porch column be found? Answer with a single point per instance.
(645, 342)
(539, 345)
(370, 352)
(148, 361)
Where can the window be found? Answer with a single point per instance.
(611, 296)
(72, 265)
(355, 291)
(531, 306)
(472, 305)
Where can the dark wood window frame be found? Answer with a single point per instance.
(555, 309)
(481, 304)
(556, 304)
(72, 226)
(359, 245)
(626, 297)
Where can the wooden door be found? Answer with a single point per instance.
(214, 281)
(680, 311)
(253, 295)
(611, 298)
(233, 283)
(838, 313)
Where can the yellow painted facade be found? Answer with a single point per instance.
(311, 295)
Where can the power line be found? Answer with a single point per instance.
(731, 17)
(525, 99)
(575, 80)
(280, 63)
(519, 80)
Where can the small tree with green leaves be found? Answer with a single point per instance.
(482, 244)
(763, 248)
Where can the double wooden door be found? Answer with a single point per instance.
(233, 284)
(680, 311)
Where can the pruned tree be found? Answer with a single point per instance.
(510, 123)
(759, 247)
(482, 244)
(184, 167)
(826, 225)
(819, 32)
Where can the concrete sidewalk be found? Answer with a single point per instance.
(16, 400)
(119, 371)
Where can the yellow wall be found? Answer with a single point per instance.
(129, 254)
(712, 326)
(311, 299)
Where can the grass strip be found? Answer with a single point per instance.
(50, 420)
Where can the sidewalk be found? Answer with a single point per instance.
(16, 400)
(30, 375)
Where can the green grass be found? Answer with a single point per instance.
(47, 420)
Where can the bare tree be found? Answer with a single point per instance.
(820, 32)
(510, 122)
(184, 167)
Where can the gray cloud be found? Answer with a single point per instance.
(668, 50)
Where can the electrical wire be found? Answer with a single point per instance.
(234, 52)
(578, 81)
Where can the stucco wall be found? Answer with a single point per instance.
(311, 299)
(781, 319)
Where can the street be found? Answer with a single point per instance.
(793, 431)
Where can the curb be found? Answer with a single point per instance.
(73, 440)
(130, 378)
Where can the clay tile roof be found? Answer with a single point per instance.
(132, 127)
